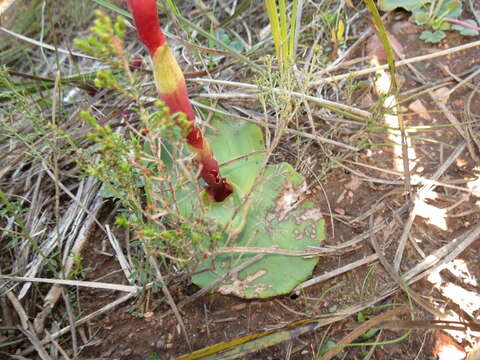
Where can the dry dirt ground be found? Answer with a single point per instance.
(363, 191)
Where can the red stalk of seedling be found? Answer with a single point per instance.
(173, 91)
(460, 22)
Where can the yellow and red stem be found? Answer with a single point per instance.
(173, 92)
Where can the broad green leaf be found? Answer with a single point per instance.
(451, 9)
(432, 37)
(444, 26)
(274, 218)
(420, 16)
(466, 30)
(409, 5)
(233, 139)
(239, 147)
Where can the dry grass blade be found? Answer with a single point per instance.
(421, 195)
(36, 344)
(82, 321)
(341, 270)
(334, 106)
(252, 117)
(45, 46)
(118, 251)
(170, 300)
(88, 284)
(397, 64)
(373, 322)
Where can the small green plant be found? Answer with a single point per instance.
(436, 15)
(362, 316)
(335, 26)
(284, 32)
(78, 270)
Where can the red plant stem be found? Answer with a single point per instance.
(173, 91)
(463, 23)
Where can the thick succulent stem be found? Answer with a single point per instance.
(172, 90)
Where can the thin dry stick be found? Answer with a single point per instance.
(397, 64)
(362, 329)
(170, 300)
(461, 82)
(82, 321)
(351, 243)
(442, 106)
(71, 319)
(337, 63)
(118, 250)
(22, 315)
(53, 294)
(89, 284)
(314, 252)
(37, 344)
(453, 120)
(401, 282)
(416, 179)
(45, 45)
(59, 348)
(472, 132)
(218, 281)
(443, 255)
(322, 102)
(420, 197)
(336, 272)
(272, 126)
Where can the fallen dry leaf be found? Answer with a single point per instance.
(446, 348)
(375, 47)
(442, 94)
(420, 109)
(354, 183)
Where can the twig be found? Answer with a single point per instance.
(401, 282)
(89, 284)
(118, 250)
(322, 102)
(443, 255)
(82, 321)
(44, 45)
(397, 63)
(170, 300)
(71, 319)
(315, 251)
(218, 281)
(22, 315)
(422, 194)
(336, 272)
(461, 82)
(337, 63)
(37, 344)
(363, 329)
(60, 349)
